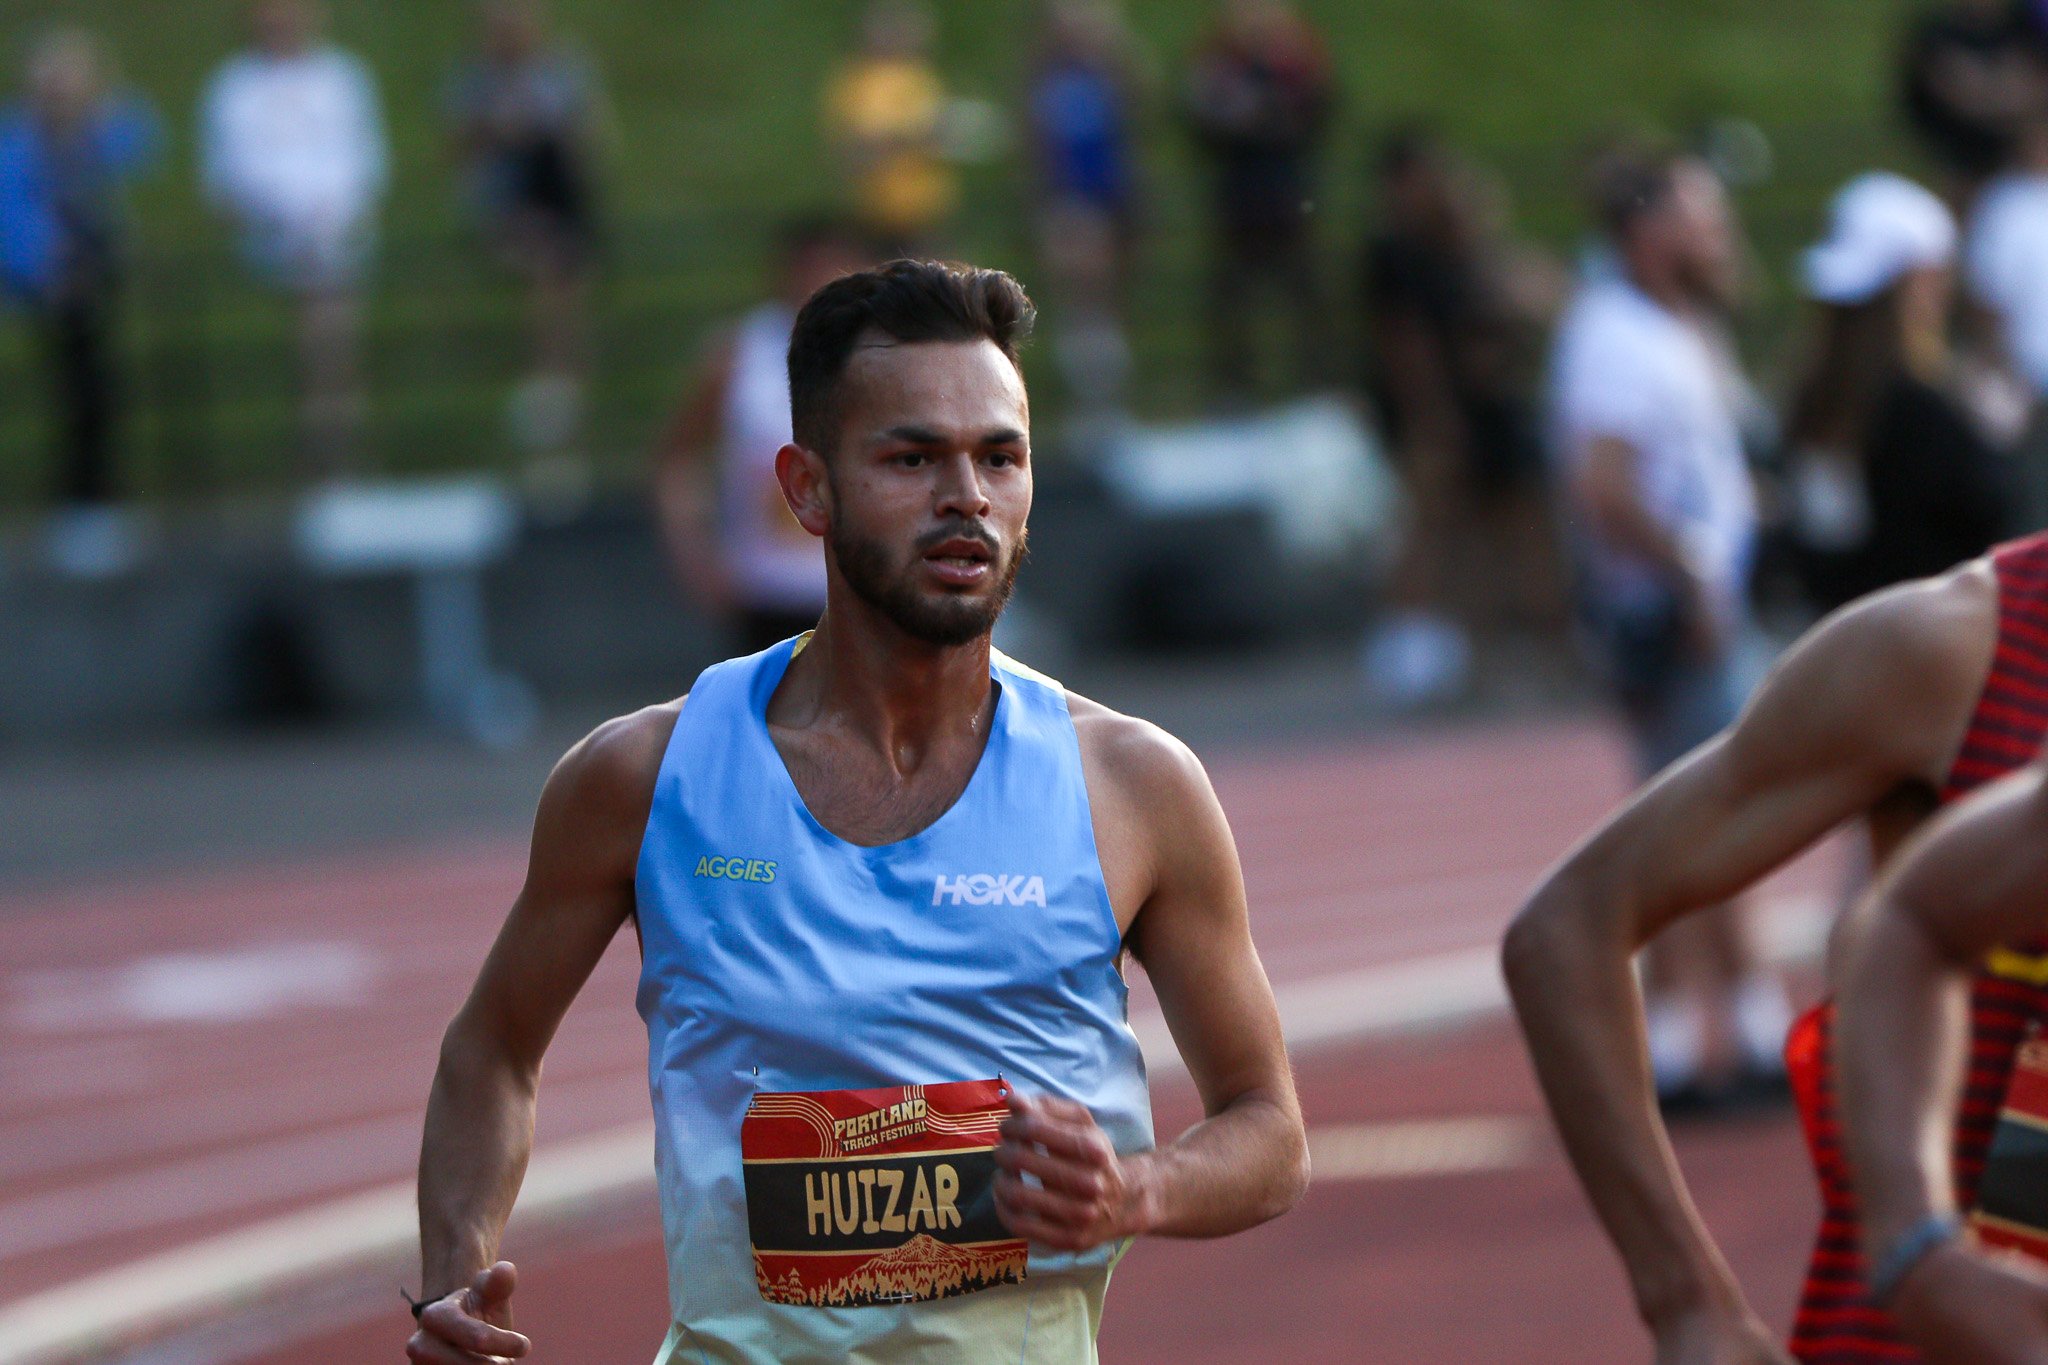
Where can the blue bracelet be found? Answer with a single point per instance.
(1924, 1237)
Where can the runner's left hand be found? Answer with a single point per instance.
(1084, 1195)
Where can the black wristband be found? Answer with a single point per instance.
(418, 1306)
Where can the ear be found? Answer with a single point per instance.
(805, 487)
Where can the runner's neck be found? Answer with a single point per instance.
(902, 696)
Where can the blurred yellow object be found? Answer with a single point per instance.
(2008, 965)
(885, 113)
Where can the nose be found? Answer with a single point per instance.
(959, 492)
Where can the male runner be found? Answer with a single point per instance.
(1907, 698)
(883, 879)
(1976, 881)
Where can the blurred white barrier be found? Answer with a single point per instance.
(443, 534)
(1313, 467)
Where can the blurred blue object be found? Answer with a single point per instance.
(51, 191)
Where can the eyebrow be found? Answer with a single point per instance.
(927, 436)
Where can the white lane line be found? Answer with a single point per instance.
(125, 1303)
(162, 1129)
(325, 1160)
(116, 1306)
(225, 985)
(1413, 1148)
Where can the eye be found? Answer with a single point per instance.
(913, 459)
(1003, 459)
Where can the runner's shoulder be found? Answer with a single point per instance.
(1147, 766)
(1920, 634)
(1902, 668)
(613, 768)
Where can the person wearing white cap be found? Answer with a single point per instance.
(1891, 477)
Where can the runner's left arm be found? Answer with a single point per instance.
(1975, 879)
(1247, 1161)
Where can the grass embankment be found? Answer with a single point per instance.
(717, 135)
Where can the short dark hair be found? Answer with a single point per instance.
(1628, 186)
(907, 301)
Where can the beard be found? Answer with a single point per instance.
(1711, 282)
(934, 618)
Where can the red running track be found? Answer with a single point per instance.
(182, 1058)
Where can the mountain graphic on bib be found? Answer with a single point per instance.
(924, 1267)
(922, 1252)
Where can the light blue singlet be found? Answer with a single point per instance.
(785, 967)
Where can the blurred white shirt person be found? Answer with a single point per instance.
(292, 149)
(2008, 265)
(1646, 403)
(2005, 270)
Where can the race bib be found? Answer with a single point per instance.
(2012, 1198)
(886, 1196)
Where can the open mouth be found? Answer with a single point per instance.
(960, 560)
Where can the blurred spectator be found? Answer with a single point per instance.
(730, 535)
(1662, 517)
(65, 152)
(1259, 98)
(1086, 83)
(1971, 75)
(885, 115)
(526, 114)
(1454, 309)
(292, 148)
(2006, 268)
(1892, 478)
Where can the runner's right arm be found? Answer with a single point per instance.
(1872, 701)
(479, 1129)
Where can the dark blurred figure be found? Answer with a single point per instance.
(732, 539)
(1971, 72)
(1455, 311)
(1892, 478)
(1259, 98)
(65, 152)
(885, 116)
(1086, 83)
(292, 149)
(1662, 517)
(526, 111)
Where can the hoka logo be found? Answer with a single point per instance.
(982, 888)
